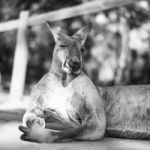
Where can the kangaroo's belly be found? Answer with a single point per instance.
(59, 100)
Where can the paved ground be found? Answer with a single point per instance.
(9, 140)
(9, 134)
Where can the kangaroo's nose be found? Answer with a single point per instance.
(74, 63)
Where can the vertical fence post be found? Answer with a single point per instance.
(0, 82)
(124, 55)
(20, 60)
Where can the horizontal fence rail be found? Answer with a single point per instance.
(83, 9)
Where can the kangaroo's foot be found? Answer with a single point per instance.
(30, 122)
(32, 132)
(35, 133)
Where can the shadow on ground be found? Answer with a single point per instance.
(10, 134)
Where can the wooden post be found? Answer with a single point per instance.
(20, 60)
(1, 82)
(123, 59)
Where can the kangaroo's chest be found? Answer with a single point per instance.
(68, 102)
(58, 98)
(65, 101)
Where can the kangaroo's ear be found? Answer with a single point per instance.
(82, 34)
(56, 31)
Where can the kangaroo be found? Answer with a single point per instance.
(66, 105)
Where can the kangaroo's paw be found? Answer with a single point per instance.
(31, 118)
(31, 123)
(35, 133)
(29, 132)
(26, 132)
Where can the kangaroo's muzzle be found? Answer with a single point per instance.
(73, 65)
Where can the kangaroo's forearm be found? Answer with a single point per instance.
(56, 126)
(47, 136)
(68, 134)
(56, 121)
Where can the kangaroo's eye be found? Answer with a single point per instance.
(63, 46)
(82, 49)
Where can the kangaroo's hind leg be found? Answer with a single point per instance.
(35, 133)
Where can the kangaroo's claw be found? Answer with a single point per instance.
(23, 129)
(24, 137)
(25, 134)
(27, 138)
(31, 132)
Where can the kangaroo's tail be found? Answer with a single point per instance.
(127, 134)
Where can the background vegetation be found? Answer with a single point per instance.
(113, 31)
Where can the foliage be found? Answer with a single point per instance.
(103, 45)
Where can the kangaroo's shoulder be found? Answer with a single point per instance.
(85, 87)
(83, 79)
(43, 85)
(84, 82)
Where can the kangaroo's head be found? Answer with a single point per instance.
(68, 50)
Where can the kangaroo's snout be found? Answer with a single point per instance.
(74, 63)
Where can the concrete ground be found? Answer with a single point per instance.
(9, 140)
(11, 116)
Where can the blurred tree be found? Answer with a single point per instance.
(103, 45)
(40, 41)
(110, 22)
